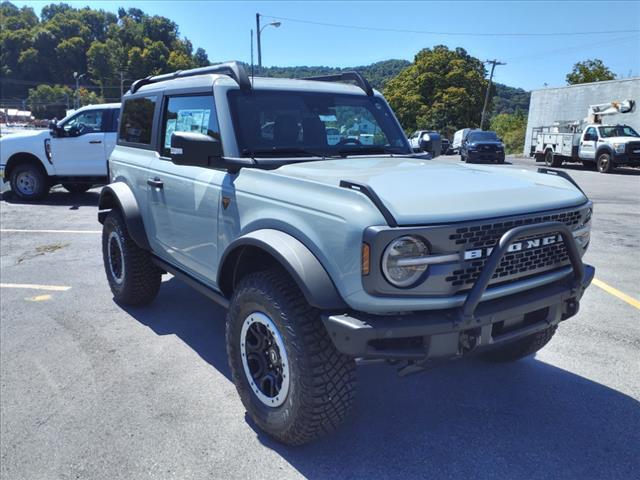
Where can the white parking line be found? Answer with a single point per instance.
(13, 230)
(30, 286)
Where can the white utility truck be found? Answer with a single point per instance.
(590, 141)
(73, 152)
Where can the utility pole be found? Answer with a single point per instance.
(258, 40)
(493, 63)
(252, 56)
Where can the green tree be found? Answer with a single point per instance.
(511, 127)
(442, 89)
(589, 71)
(179, 61)
(200, 58)
(49, 101)
(100, 64)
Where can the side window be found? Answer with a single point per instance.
(592, 132)
(137, 120)
(90, 121)
(188, 114)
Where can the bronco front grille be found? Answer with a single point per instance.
(514, 265)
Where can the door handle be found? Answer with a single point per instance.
(155, 182)
(95, 141)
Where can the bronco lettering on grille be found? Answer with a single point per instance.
(515, 246)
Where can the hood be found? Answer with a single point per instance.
(25, 135)
(419, 192)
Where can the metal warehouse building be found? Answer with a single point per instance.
(570, 103)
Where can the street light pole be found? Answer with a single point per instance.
(486, 97)
(78, 77)
(259, 34)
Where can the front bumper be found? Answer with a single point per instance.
(483, 156)
(440, 334)
(626, 159)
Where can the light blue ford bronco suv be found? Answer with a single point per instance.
(300, 207)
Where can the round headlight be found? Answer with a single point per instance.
(400, 261)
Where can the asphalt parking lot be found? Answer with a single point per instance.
(91, 390)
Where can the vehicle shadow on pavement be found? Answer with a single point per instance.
(58, 198)
(468, 419)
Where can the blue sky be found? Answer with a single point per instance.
(222, 28)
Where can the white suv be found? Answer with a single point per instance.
(74, 152)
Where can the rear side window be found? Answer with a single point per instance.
(137, 120)
(189, 114)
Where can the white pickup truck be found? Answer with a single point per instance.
(589, 141)
(73, 152)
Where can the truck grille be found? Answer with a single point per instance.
(514, 265)
(633, 150)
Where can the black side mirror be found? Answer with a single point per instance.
(196, 149)
(433, 145)
(55, 130)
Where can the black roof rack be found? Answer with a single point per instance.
(341, 77)
(233, 69)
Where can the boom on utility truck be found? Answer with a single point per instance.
(589, 141)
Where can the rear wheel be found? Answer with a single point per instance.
(604, 163)
(134, 279)
(293, 382)
(29, 182)
(551, 159)
(76, 187)
(521, 348)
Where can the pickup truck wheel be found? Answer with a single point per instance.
(521, 348)
(134, 279)
(293, 382)
(551, 159)
(76, 187)
(604, 163)
(29, 182)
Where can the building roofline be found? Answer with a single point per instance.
(583, 84)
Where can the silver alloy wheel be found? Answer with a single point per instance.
(27, 183)
(264, 359)
(115, 253)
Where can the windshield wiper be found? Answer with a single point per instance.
(277, 151)
(369, 149)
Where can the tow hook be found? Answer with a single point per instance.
(469, 340)
(570, 308)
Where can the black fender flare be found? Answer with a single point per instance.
(605, 148)
(120, 196)
(303, 266)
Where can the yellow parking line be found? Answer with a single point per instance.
(13, 230)
(617, 293)
(30, 286)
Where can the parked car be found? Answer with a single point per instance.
(482, 146)
(458, 137)
(324, 253)
(72, 152)
(426, 141)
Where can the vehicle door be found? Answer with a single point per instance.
(78, 147)
(587, 147)
(183, 200)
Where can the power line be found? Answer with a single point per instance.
(560, 51)
(430, 32)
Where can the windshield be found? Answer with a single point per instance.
(298, 124)
(618, 131)
(482, 137)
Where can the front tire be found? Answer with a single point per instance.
(132, 276)
(29, 182)
(521, 348)
(77, 187)
(605, 163)
(293, 382)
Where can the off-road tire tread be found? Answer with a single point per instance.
(521, 348)
(142, 277)
(326, 394)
